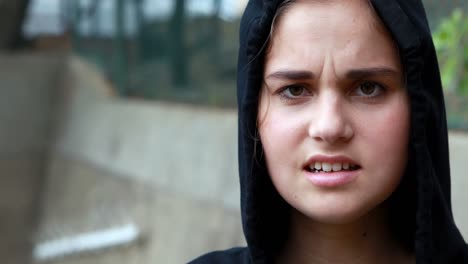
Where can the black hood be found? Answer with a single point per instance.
(424, 221)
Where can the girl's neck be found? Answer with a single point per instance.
(367, 240)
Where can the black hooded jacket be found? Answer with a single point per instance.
(420, 208)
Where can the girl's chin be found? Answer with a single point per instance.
(333, 214)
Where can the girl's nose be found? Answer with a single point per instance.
(331, 122)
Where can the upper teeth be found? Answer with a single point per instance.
(328, 167)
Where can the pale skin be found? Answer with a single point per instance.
(334, 86)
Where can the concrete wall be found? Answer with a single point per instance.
(458, 162)
(26, 113)
(170, 169)
(176, 226)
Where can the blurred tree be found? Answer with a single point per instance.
(12, 14)
(65, 14)
(140, 21)
(71, 15)
(179, 52)
(216, 32)
(450, 40)
(93, 12)
(120, 53)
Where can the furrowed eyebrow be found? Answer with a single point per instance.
(371, 72)
(292, 75)
(351, 74)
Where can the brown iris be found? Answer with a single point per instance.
(368, 88)
(296, 90)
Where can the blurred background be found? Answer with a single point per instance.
(118, 127)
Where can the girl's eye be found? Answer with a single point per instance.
(293, 91)
(369, 89)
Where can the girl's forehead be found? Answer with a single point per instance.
(347, 31)
(330, 18)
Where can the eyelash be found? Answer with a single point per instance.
(354, 92)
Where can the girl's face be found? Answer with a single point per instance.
(333, 112)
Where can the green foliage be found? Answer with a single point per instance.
(451, 42)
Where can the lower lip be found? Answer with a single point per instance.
(332, 179)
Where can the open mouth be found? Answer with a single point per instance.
(319, 167)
